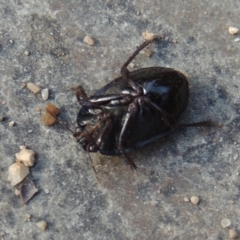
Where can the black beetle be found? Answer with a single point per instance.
(133, 110)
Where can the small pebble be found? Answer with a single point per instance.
(11, 41)
(236, 40)
(27, 53)
(233, 233)
(225, 222)
(186, 199)
(38, 110)
(26, 156)
(131, 65)
(17, 192)
(27, 217)
(17, 172)
(23, 85)
(89, 40)
(46, 191)
(148, 35)
(42, 225)
(11, 124)
(45, 94)
(3, 102)
(195, 200)
(49, 117)
(33, 87)
(233, 30)
(27, 190)
(235, 157)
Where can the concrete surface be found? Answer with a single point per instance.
(147, 204)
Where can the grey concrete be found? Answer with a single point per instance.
(147, 204)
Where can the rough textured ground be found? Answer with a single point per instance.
(147, 204)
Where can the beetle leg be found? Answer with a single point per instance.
(99, 132)
(121, 102)
(168, 119)
(207, 123)
(130, 116)
(84, 100)
(94, 135)
(104, 132)
(106, 101)
(81, 94)
(172, 122)
(98, 102)
(140, 48)
(125, 72)
(105, 98)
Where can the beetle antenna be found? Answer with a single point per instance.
(64, 125)
(129, 160)
(94, 169)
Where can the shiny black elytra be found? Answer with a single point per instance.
(133, 110)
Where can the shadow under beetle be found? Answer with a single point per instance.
(133, 110)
